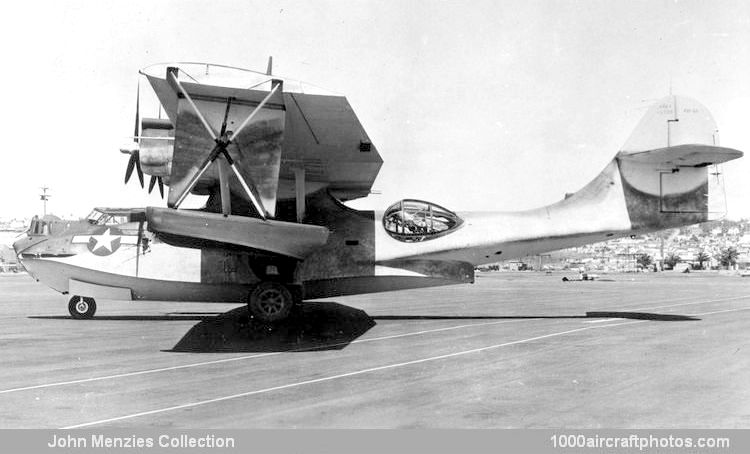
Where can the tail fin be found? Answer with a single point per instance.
(666, 163)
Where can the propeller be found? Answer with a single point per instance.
(154, 180)
(135, 159)
(134, 163)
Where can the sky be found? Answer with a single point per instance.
(474, 105)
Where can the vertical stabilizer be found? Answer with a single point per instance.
(669, 166)
(671, 121)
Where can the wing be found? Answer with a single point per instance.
(299, 142)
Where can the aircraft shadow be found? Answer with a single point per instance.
(473, 317)
(609, 314)
(642, 316)
(316, 326)
(175, 316)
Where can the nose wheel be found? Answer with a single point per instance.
(81, 307)
(271, 301)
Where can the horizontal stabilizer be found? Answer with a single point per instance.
(684, 156)
(284, 238)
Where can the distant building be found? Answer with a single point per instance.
(517, 265)
(743, 261)
(8, 259)
(7, 254)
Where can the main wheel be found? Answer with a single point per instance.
(270, 302)
(81, 307)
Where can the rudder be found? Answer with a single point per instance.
(666, 163)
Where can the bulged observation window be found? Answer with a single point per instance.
(412, 221)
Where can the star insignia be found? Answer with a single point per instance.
(104, 243)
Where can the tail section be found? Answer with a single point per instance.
(666, 175)
(666, 163)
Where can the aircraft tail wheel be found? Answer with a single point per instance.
(81, 307)
(270, 302)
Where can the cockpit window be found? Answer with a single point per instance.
(412, 221)
(99, 218)
(38, 227)
(96, 217)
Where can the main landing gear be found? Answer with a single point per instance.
(272, 301)
(81, 307)
(269, 301)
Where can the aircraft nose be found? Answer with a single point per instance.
(17, 246)
(38, 232)
(20, 245)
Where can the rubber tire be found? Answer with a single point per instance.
(81, 307)
(270, 302)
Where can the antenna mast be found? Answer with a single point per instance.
(44, 197)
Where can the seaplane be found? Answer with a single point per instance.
(278, 158)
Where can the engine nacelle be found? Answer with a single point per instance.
(157, 147)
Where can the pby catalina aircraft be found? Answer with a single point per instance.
(277, 158)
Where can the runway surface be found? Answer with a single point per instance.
(513, 350)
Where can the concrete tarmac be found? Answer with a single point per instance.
(520, 350)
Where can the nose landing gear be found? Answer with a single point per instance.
(81, 307)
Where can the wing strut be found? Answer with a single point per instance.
(299, 189)
(220, 149)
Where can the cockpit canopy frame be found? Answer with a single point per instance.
(115, 216)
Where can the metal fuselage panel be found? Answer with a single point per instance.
(128, 255)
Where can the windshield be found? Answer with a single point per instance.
(97, 217)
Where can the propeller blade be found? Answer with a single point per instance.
(138, 167)
(161, 187)
(135, 162)
(151, 184)
(131, 166)
(136, 132)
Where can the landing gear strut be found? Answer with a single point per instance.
(272, 301)
(81, 307)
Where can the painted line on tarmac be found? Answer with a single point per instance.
(248, 357)
(344, 375)
(635, 308)
(358, 341)
(692, 303)
(720, 300)
(721, 312)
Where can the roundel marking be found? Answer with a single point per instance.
(105, 242)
